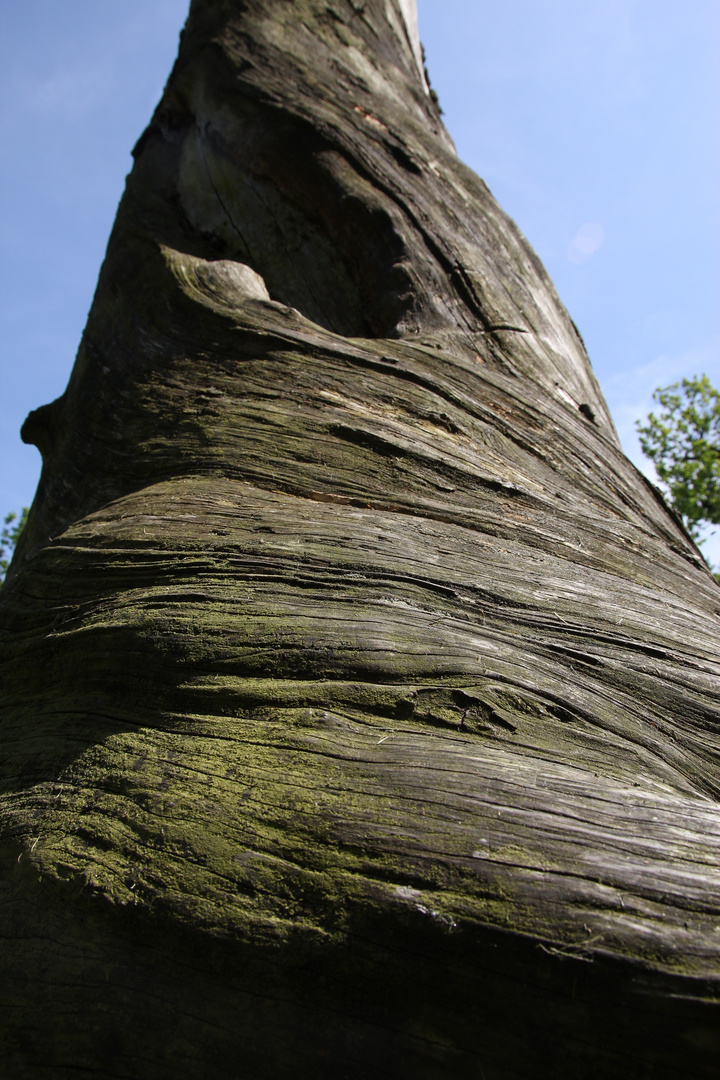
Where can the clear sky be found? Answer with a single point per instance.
(594, 122)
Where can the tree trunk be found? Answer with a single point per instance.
(360, 701)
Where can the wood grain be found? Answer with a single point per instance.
(360, 700)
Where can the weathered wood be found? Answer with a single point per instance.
(360, 700)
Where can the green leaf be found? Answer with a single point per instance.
(683, 442)
(9, 536)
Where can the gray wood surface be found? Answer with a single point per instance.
(360, 704)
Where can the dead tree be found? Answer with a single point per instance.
(360, 700)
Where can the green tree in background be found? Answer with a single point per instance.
(12, 527)
(683, 442)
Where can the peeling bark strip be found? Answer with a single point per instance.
(360, 707)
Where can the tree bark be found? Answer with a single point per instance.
(360, 707)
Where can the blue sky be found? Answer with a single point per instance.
(595, 124)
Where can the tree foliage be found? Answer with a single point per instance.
(683, 442)
(9, 536)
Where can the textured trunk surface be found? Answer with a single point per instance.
(360, 707)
